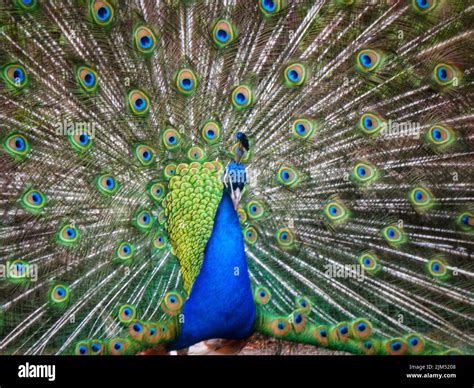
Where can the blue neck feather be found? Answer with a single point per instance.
(220, 304)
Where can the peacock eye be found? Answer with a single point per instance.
(415, 342)
(196, 154)
(361, 328)
(250, 235)
(302, 128)
(145, 40)
(295, 74)
(186, 81)
(255, 209)
(440, 137)
(144, 154)
(80, 141)
(465, 221)
(421, 198)
(107, 184)
(27, 5)
(437, 268)
(126, 313)
(242, 97)
(172, 303)
(169, 171)
(171, 139)
(33, 201)
(59, 294)
(271, 7)
(87, 79)
(394, 235)
(370, 123)
(68, 234)
(223, 33)
(16, 145)
(369, 60)
(157, 191)
(82, 348)
(395, 346)
(445, 74)
(424, 6)
(335, 212)
(160, 240)
(288, 176)
(364, 173)
(138, 102)
(102, 12)
(143, 220)
(124, 252)
(211, 131)
(285, 238)
(15, 75)
(262, 295)
(370, 262)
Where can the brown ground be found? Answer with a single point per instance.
(260, 345)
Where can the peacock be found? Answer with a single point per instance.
(176, 172)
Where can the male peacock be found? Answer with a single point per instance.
(354, 231)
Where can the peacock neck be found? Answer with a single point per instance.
(220, 304)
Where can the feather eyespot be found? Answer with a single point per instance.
(33, 201)
(303, 128)
(138, 102)
(107, 184)
(421, 198)
(271, 7)
(262, 295)
(223, 33)
(369, 60)
(196, 154)
(371, 123)
(465, 221)
(211, 131)
(445, 74)
(171, 139)
(27, 5)
(424, 6)
(124, 252)
(250, 235)
(145, 155)
(394, 235)
(145, 40)
(440, 137)
(16, 145)
(172, 303)
(68, 234)
(126, 313)
(81, 140)
(242, 97)
(143, 221)
(370, 262)
(102, 12)
(87, 78)
(186, 81)
(15, 76)
(160, 240)
(59, 294)
(295, 74)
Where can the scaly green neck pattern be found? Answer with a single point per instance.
(190, 206)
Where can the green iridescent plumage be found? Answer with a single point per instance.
(191, 203)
